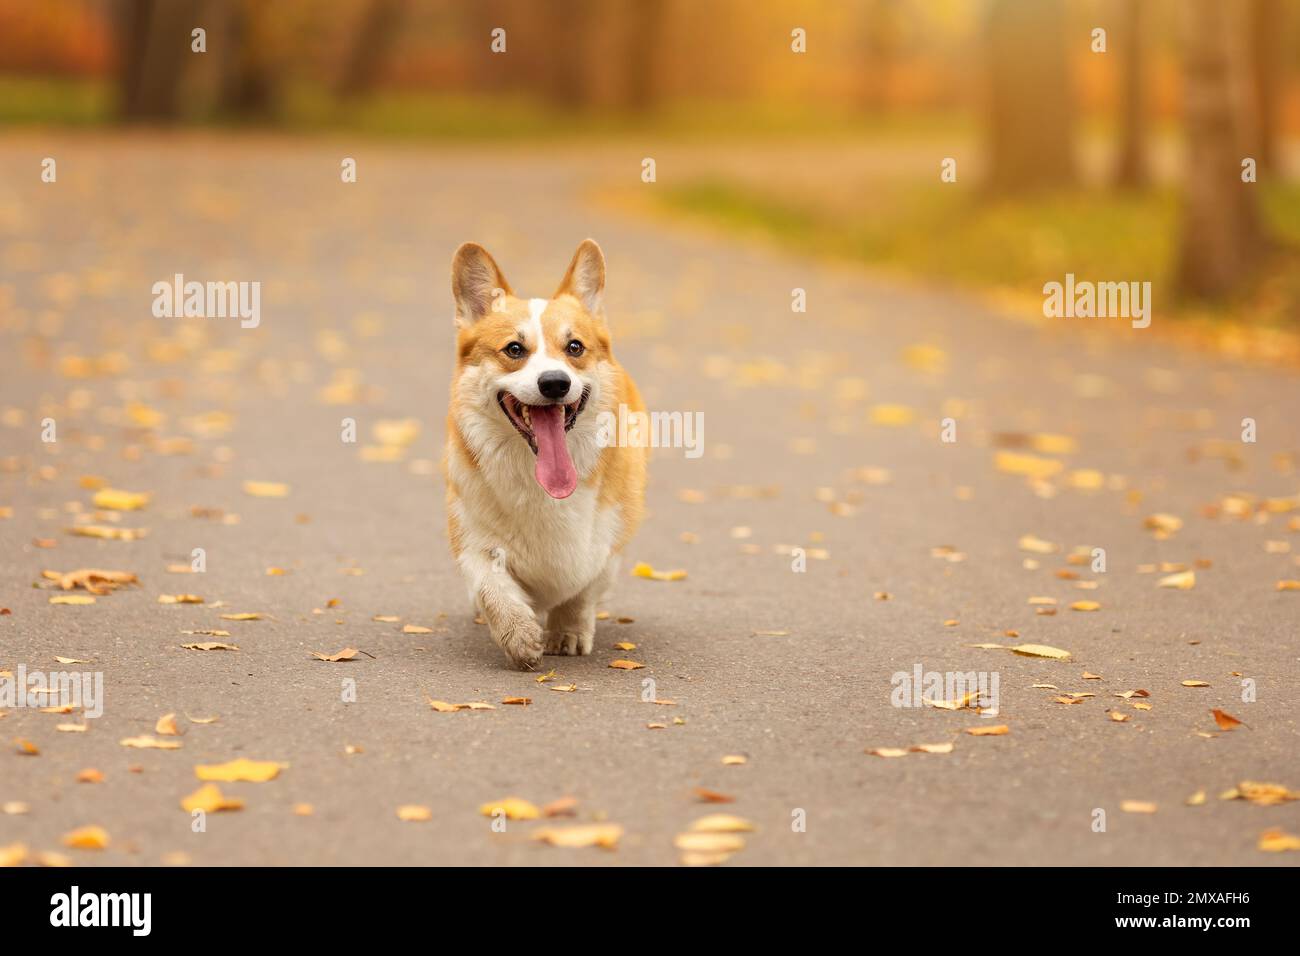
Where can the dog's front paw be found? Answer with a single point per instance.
(522, 642)
(569, 643)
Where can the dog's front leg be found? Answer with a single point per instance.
(505, 607)
(571, 626)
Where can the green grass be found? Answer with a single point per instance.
(26, 101)
(45, 101)
(934, 232)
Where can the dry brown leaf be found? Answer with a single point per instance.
(1262, 794)
(1277, 841)
(347, 654)
(108, 532)
(94, 580)
(624, 646)
(179, 599)
(1041, 650)
(416, 629)
(706, 795)
(210, 646)
(945, 748)
(994, 731)
(70, 660)
(1085, 606)
(1183, 581)
(623, 665)
(721, 823)
(246, 616)
(519, 701)
(1196, 683)
(563, 807)
(90, 775)
(72, 599)
(1225, 720)
(734, 760)
(1163, 523)
(166, 726)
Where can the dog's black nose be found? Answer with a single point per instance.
(553, 384)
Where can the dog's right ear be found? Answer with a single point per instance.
(476, 283)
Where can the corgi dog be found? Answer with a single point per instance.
(539, 507)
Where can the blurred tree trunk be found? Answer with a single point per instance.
(567, 26)
(153, 50)
(644, 36)
(1131, 169)
(1221, 232)
(248, 76)
(1266, 23)
(1030, 110)
(374, 41)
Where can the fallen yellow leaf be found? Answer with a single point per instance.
(266, 489)
(87, 838)
(114, 499)
(513, 808)
(643, 570)
(209, 799)
(150, 743)
(253, 771)
(603, 835)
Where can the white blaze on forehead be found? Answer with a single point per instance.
(522, 383)
(535, 309)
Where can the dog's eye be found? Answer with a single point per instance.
(514, 350)
(575, 348)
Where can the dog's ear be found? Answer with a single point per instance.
(585, 280)
(476, 283)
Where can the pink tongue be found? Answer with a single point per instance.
(555, 471)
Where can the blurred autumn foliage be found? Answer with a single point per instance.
(1031, 77)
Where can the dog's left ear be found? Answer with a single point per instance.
(585, 280)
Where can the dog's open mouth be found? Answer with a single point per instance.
(543, 427)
